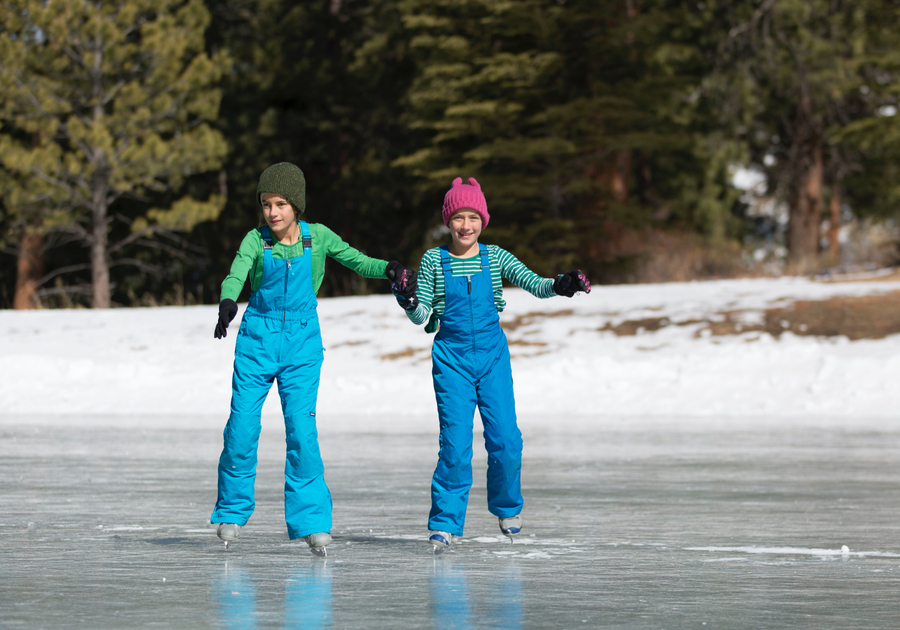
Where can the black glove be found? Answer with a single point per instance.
(403, 285)
(227, 310)
(568, 284)
(393, 271)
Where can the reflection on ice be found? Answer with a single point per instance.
(307, 597)
(450, 600)
(504, 602)
(307, 601)
(454, 606)
(234, 597)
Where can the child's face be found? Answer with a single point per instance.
(465, 227)
(278, 212)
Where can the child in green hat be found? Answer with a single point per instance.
(279, 340)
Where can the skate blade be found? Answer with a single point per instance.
(318, 551)
(435, 550)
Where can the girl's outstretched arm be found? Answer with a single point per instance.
(514, 270)
(334, 246)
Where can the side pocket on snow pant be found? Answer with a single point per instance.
(250, 340)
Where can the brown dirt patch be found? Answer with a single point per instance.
(349, 343)
(530, 318)
(633, 326)
(866, 317)
(893, 276)
(393, 356)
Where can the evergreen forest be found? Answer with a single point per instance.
(615, 136)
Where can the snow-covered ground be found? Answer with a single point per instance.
(672, 478)
(125, 364)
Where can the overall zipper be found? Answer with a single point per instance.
(471, 312)
(287, 275)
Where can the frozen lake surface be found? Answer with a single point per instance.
(660, 524)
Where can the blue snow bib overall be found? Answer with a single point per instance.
(279, 339)
(471, 366)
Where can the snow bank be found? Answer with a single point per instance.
(164, 362)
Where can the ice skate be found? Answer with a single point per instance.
(440, 540)
(511, 526)
(317, 543)
(228, 532)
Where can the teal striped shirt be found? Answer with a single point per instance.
(503, 266)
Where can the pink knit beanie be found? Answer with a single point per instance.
(465, 196)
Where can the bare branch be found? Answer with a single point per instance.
(125, 144)
(78, 231)
(113, 92)
(35, 101)
(135, 27)
(134, 262)
(165, 247)
(757, 15)
(82, 289)
(60, 184)
(87, 149)
(59, 238)
(72, 54)
(128, 240)
(62, 270)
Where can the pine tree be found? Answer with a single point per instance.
(869, 181)
(318, 84)
(106, 102)
(579, 117)
(797, 68)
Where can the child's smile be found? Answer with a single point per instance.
(465, 228)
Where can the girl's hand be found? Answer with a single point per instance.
(393, 271)
(568, 284)
(403, 285)
(227, 310)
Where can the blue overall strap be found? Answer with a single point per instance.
(445, 260)
(307, 237)
(485, 262)
(266, 235)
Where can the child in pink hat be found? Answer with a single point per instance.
(468, 196)
(460, 295)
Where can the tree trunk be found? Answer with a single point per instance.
(618, 182)
(834, 247)
(100, 189)
(806, 209)
(99, 240)
(29, 269)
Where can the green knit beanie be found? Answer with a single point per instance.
(286, 180)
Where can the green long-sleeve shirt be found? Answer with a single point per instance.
(249, 259)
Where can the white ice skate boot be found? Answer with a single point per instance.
(317, 542)
(229, 532)
(440, 540)
(511, 526)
